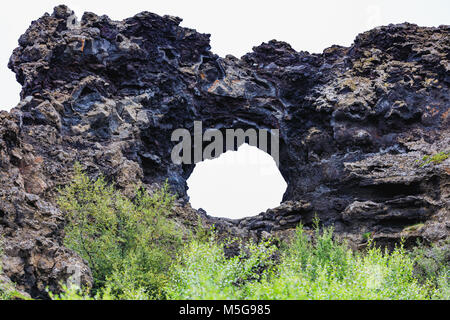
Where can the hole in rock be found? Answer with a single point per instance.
(237, 184)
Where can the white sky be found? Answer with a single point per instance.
(236, 184)
(235, 26)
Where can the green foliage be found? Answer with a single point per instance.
(7, 289)
(321, 269)
(328, 269)
(129, 244)
(436, 159)
(71, 293)
(201, 233)
(204, 272)
(432, 266)
(136, 253)
(76, 293)
(9, 292)
(367, 235)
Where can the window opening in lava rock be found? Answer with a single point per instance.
(237, 184)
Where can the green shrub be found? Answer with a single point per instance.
(321, 269)
(135, 252)
(128, 243)
(71, 293)
(432, 266)
(328, 269)
(204, 272)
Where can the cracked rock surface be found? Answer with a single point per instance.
(353, 122)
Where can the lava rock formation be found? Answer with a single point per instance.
(353, 122)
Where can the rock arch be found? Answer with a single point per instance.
(353, 121)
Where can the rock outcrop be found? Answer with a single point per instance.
(108, 94)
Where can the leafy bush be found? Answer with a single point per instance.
(128, 243)
(328, 269)
(432, 266)
(204, 272)
(319, 269)
(135, 252)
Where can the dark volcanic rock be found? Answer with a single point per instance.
(108, 94)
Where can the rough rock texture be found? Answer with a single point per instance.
(108, 94)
